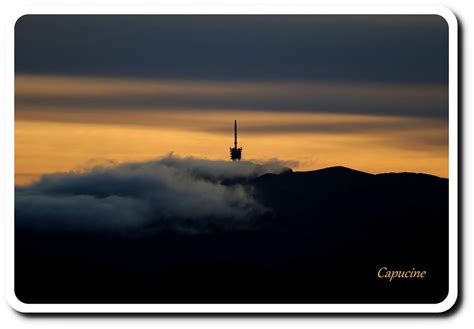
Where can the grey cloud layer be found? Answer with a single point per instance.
(377, 48)
(185, 194)
(414, 100)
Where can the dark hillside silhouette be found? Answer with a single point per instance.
(324, 237)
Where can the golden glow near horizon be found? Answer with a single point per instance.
(52, 137)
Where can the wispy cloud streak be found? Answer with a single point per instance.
(414, 100)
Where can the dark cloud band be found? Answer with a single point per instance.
(63, 93)
(360, 48)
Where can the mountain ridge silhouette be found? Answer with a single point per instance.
(324, 237)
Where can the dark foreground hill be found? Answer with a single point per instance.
(323, 239)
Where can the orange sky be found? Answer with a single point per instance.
(53, 136)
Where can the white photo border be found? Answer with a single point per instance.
(7, 124)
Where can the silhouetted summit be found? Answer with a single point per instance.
(322, 238)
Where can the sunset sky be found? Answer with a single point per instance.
(370, 93)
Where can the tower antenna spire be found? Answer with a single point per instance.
(235, 152)
(235, 133)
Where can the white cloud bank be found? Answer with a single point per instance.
(183, 194)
